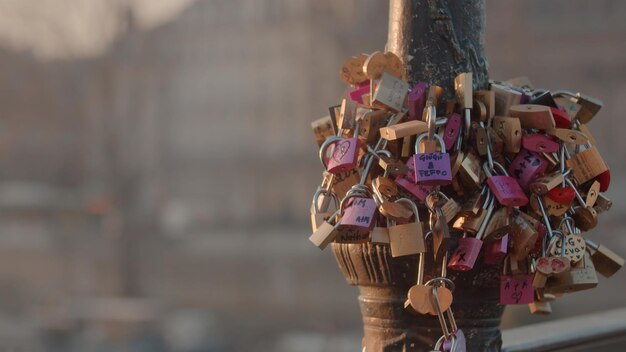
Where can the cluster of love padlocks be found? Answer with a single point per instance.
(511, 171)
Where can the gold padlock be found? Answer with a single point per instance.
(586, 165)
(522, 237)
(510, 130)
(605, 260)
(582, 276)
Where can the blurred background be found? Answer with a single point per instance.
(157, 164)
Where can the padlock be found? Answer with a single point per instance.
(572, 109)
(417, 100)
(431, 168)
(453, 338)
(515, 289)
(584, 216)
(587, 164)
(496, 250)
(379, 234)
(605, 180)
(538, 117)
(539, 143)
(522, 237)
(471, 173)
(488, 99)
(323, 128)
(343, 157)
(545, 184)
(326, 232)
(443, 242)
(568, 136)
(603, 203)
(605, 260)
(510, 130)
(351, 72)
(527, 166)
(505, 97)
(561, 118)
(319, 208)
(452, 131)
(357, 93)
(464, 257)
(481, 140)
(390, 93)
(392, 166)
(538, 307)
(582, 276)
(589, 106)
(570, 246)
(551, 262)
(505, 188)
(347, 114)
(359, 212)
(407, 239)
(404, 129)
(543, 98)
(370, 121)
(420, 296)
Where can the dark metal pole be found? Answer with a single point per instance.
(437, 39)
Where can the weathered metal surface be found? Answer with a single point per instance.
(437, 40)
(383, 284)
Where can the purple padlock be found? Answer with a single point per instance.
(417, 100)
(459, 343)
(496, 250)
(344, 155)
(504, 187)
(432, 168)
(360, 213)
(527, 167)
(452, 131)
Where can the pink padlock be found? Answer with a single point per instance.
(516, 289)
(539, 143)
(452, 131)
(358, 93)
(417, 100)
(431, 168)
(527, 167)
(464, 257)
(343, 155)
(497, 250)
(504, 187)
(359, 213)
(418, 191)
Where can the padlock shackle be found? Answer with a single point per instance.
(437, 137)
(319, 192)
(413, 207)
(327, 143)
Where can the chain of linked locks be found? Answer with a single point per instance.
(511, 172)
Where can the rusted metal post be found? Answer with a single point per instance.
(437, 40)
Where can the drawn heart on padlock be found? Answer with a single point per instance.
(421, 299)
(559, 265)
(544, 265)
(340, 150)
(352, 70)
(574, 248)
(552, 265)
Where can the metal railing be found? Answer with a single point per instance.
(604, 331)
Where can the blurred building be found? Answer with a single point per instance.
(156, 159)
